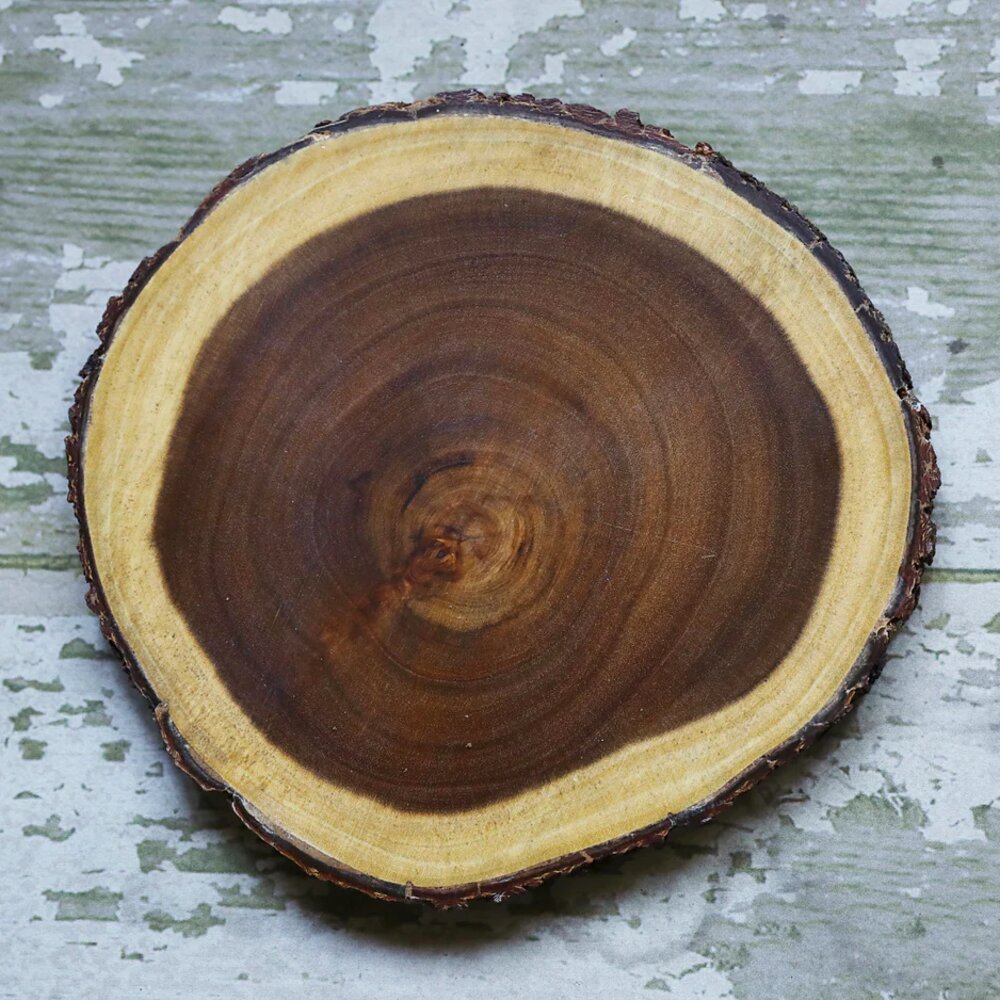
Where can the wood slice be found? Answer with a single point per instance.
(483, 486)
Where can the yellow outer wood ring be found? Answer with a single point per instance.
(334, 178)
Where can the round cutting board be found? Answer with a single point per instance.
(482, 486)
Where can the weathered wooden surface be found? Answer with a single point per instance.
(868, 869)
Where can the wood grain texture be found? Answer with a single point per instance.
(881, 844)
(403, 600)
(484, 469)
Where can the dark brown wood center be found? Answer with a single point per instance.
(481, 487)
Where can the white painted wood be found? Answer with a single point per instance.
(869, 868)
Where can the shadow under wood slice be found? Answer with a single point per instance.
(486, 485)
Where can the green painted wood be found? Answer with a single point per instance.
(867, 869)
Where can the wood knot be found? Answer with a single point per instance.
(435, 556)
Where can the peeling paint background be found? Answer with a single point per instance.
(868, 869)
